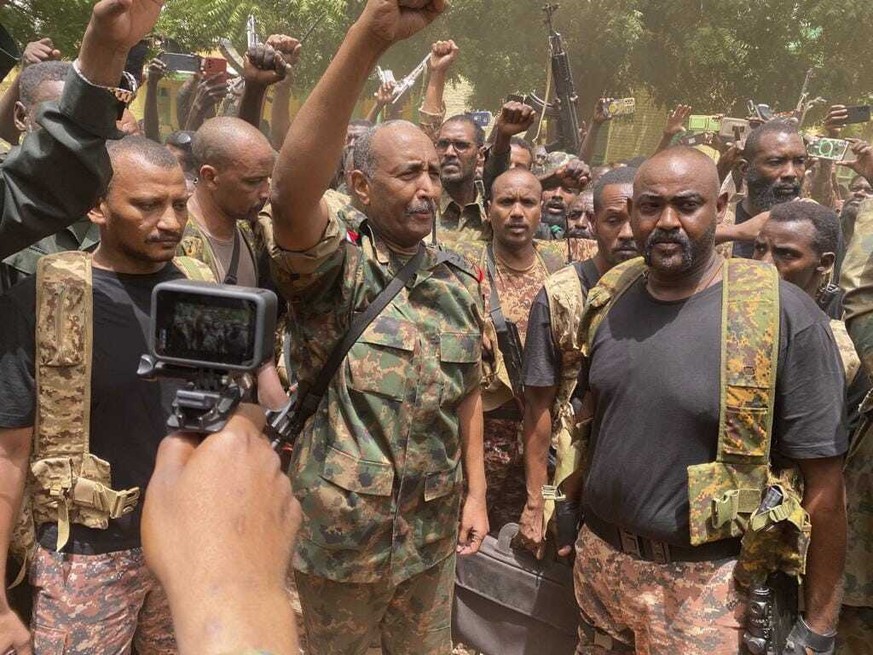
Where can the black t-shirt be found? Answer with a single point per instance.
(128, 415)
(655, 376)
(744, 249)
(542, 363)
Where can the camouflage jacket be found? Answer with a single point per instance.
(194, 244)
(460, 224)
(377, 469)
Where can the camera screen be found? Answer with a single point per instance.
(206, 328)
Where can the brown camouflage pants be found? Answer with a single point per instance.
(504, 473)
(98, 604)
(413, 617)
(658, 609)
(855, 631)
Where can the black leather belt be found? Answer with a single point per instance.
(658, 551)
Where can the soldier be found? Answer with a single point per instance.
(551, 355)
(515, 268)
(856, 618)
(69, 152)
(76, 416)
(379, 468)
(686, 384)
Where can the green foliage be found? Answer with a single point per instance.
(713, 54)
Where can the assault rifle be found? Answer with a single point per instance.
(564, 107)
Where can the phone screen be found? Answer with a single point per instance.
(857, 114)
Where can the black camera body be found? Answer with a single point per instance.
(210, 335)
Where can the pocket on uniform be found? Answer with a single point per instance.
(440, 513)
(350, 506)
(460, 358)
(63, 344)
(381, 360)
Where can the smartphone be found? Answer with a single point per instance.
(180, 63)
(700, 123)
(734, 129)
(621, 107)
(699, 139)
(214, 66)
(825, 148)
(857, 114)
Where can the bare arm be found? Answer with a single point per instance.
(675, 125)
(586, 150)
(15, 447)
(824, 497)
(474, 517)
(280, 112)
(150, 118)
(536, 436)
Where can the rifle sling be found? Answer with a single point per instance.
(496, 311)
(311, 398)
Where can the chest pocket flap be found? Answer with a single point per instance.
(381, 360)
(352, 474)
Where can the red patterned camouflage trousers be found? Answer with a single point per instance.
(692, 608)
(98, 605)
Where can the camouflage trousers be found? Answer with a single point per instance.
(655, 609)
(98, 604)
(504, 473)
(855, 631)
(413, 617)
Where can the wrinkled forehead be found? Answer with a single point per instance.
(780, 144)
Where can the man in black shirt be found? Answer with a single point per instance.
(549, 353)
(654, 369)
(96, 594)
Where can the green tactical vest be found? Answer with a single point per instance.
(725, 495)
(67, 484)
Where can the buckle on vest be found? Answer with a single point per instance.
(123, 503)
(724, 509)
(553, 492)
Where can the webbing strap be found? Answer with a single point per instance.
(749, 356)
(603, 296)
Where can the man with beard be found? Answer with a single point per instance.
(581, 244)
(861, 186)
(516, 266)
(551, 356)
(72, 336)
(462, 215)
(773, 167)
(664, 353)
(392, 456)
(234, 162)
(562, 176)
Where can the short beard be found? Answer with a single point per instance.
(555, 220)
(765, 194)
(692, 251)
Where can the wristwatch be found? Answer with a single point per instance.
(123, 94)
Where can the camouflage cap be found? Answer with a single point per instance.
(553, 162)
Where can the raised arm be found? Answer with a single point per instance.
(150, 118)
(307, 161)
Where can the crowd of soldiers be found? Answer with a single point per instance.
(656, 368)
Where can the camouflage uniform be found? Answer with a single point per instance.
(456, 224)
(504, 468)
(855, 631)
(87, 604)
(194, 244)
(582, 249)
(377, 469)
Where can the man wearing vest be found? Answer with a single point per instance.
(234, 163)
(551, 355)
(380, 466)
(79, 429)
(697, 367)
(515, 268)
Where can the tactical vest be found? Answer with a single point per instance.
(725, 495)
(67, 484)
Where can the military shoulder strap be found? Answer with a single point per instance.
(848, 353)
(194, 269)
(459, 262)
(603, 296)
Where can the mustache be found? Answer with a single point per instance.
(175, 237)
(422, 207)
(663, 236)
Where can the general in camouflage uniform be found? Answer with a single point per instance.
(552, 358)
(856, 620)
(380, 467)
(515, 268)
(692, 362)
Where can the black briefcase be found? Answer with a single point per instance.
(508, 603)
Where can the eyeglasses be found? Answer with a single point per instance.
(460, 146)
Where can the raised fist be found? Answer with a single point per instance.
(442, 55)
(515, 118)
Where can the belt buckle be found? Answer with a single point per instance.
(124, 503)
(660, 552)
(630, 543)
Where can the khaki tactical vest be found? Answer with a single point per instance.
(67, 484)
(566, 301)
(725, 495)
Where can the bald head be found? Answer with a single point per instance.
(680, 163)
(516, 177)
(221, 142)
(381, 138)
